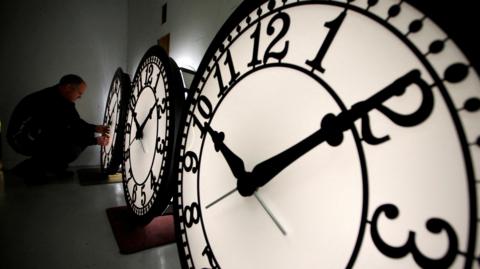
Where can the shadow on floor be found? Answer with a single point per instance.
(93, 176)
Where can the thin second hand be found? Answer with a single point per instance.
(270, 214)
(141, 143)
(221, 198)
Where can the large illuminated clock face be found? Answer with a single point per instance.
(330, 134)
(150, 132)
(114, 117)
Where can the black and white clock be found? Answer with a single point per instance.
(152, 118)
(114, 117)
(330, 134)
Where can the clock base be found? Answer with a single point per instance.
(133, 236)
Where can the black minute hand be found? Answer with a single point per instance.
(149, 116)
(332, 126)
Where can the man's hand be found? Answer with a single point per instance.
(103, 140)
(102, 129)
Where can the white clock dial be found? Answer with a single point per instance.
(328, 134)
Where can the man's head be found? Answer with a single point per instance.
(72, 87)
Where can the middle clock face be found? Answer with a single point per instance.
(149, 135)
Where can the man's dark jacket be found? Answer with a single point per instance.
(46, 118)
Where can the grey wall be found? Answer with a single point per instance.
(192, 24)
(43, 40)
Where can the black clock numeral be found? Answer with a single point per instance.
(256, 40)
(158, 78)
(139, 83)
(433, 225)
(153, 180)
(190, 162)
(333, 27)
(133, 101)
(271, 30)
(191, 214)
(218, 74)
(229, 62)
(143, 195)
(134, 193)
(161, 108)
(397, 88)
(279, 55)
(161, 145)
(205, 107)
(334, 126)
(211, 259)
(197, 123)
(148, 75)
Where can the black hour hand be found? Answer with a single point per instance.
(138, 133)
(140, 127)
(236, 164)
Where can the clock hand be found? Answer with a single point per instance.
(221, 198)
(143, 148)
(135, 139)
(270, 214)
(135, 120)
(149, 116)
(138, 133)
(333, 126)
(279, 226)
(234, 162)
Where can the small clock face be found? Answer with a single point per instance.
(114, 117)
(330, 134)
(148, 150)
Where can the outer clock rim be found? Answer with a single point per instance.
(247, 7)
